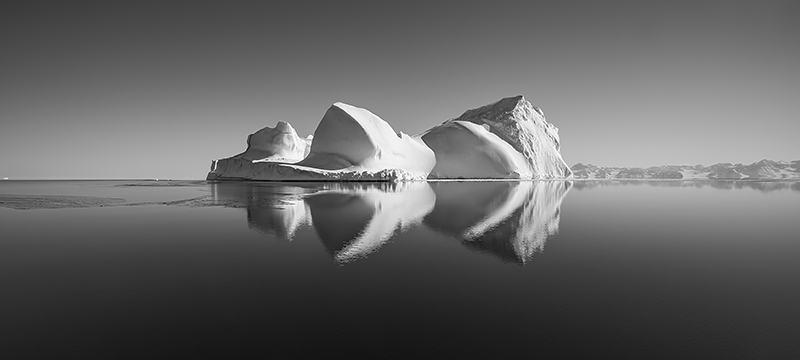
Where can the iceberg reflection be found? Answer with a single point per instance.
(271, 209)
(351, 219)
(352, 224)
(510, 220)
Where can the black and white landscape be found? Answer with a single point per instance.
(361, 179)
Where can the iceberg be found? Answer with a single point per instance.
(513, 140)
(280, 143)
(350, 143)
(352, 140)
(508, 139)
(467, 150)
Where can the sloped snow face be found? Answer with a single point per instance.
(351, 140)
(467, 150)
(519, 124)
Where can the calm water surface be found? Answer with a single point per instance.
(101, 269)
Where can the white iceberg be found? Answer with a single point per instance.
(507, 139)
(467, 150)
(349, 143)
(352, 140)
(516, 142)
(280, 143)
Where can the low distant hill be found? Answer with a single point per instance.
(764, 169)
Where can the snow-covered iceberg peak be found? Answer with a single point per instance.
(513, 120)
(349, 139)
(276, 144)
(267, 146)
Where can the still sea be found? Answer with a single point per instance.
(554, 269)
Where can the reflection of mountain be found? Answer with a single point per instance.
(355, 223)
(511, 220)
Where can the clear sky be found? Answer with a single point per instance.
(156, 89)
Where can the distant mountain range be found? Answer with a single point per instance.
(764, 169)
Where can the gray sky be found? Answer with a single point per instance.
(158, 89)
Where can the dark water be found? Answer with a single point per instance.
(497, 269)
